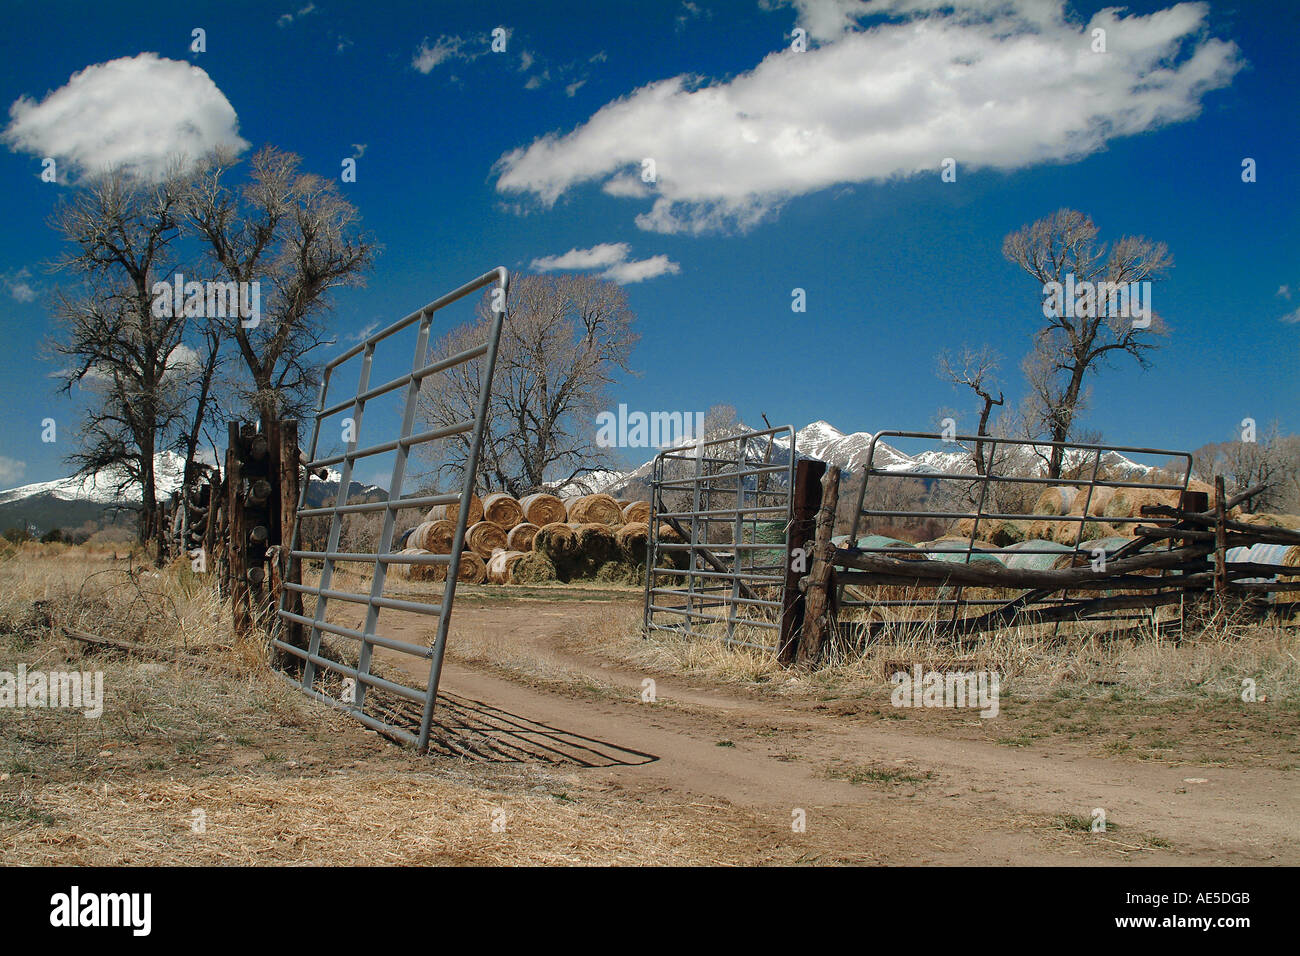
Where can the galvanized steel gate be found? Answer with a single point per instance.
(731, 497)
(314, 658)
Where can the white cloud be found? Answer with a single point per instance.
(444, 48)
(19, 285)
(11, 469)
(138, 112)
(287, 18)
(602, 255)
(1002, 84)
(638, 270)
(611, 258)
(1284, 291)
(1291, 318)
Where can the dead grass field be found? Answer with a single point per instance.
(281, 780)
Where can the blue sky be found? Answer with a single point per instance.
(821, 174)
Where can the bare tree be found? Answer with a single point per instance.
(1082, 335)
(120, 348)
(298, 238)
(563, 341)
(1272, 460)
(975, 369)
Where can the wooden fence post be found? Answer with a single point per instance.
(816, 619)
(1220, 542)
(289, 473)
(236, 556)
(807, 494)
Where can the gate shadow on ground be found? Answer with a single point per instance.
(474, 730)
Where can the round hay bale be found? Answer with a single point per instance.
(452, 511)
(434, 536)
(1054, 500)
(874, 541)
(533, 568)
(597, 544)
(1067, 532)
(557, 541)
(502, 510)
(542, 509)
(405, 571)
(998, 530)
(521, 536)
(636, 511)
(485, 537)
(596, 509)
(472, 570)
(1096, 503)
(500, 566)
(955, 550)
(668, 533)
(1034, 555)
(632, 540)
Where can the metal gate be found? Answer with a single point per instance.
(720, 515)
(971, 506)
(394, 697)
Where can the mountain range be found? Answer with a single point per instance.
(824, 442)
(71, 502)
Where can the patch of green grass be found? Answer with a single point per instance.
(882, 775)
(11, 812)
(725, 743)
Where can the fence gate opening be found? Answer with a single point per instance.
(387, 706)
(719, 544)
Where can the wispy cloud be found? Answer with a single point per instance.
(612, 262)
(286, 19)
(19, 285)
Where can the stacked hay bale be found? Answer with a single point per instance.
(542, 509)
(521, 536)
(1002, 532)
(452, 511)
(410, 572)
(500, 567)
(502, 510)
(633, 539)
(485, 537)
(473, 570)
(433, 536)
(557, 543)
(636, 512)
(595, 509)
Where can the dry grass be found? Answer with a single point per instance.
(1210, 662)
(277, 778)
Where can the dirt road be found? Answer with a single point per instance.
(868, 792)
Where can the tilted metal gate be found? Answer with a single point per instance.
(314, 658)
(720, 515)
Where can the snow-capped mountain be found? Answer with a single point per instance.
(71, 502)
(825, 442)
(101, 487)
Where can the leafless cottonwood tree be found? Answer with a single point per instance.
(122, 232)
(1067, 347)
(975, 369)
(563, 340)
(293, 233)
(1272, 460)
